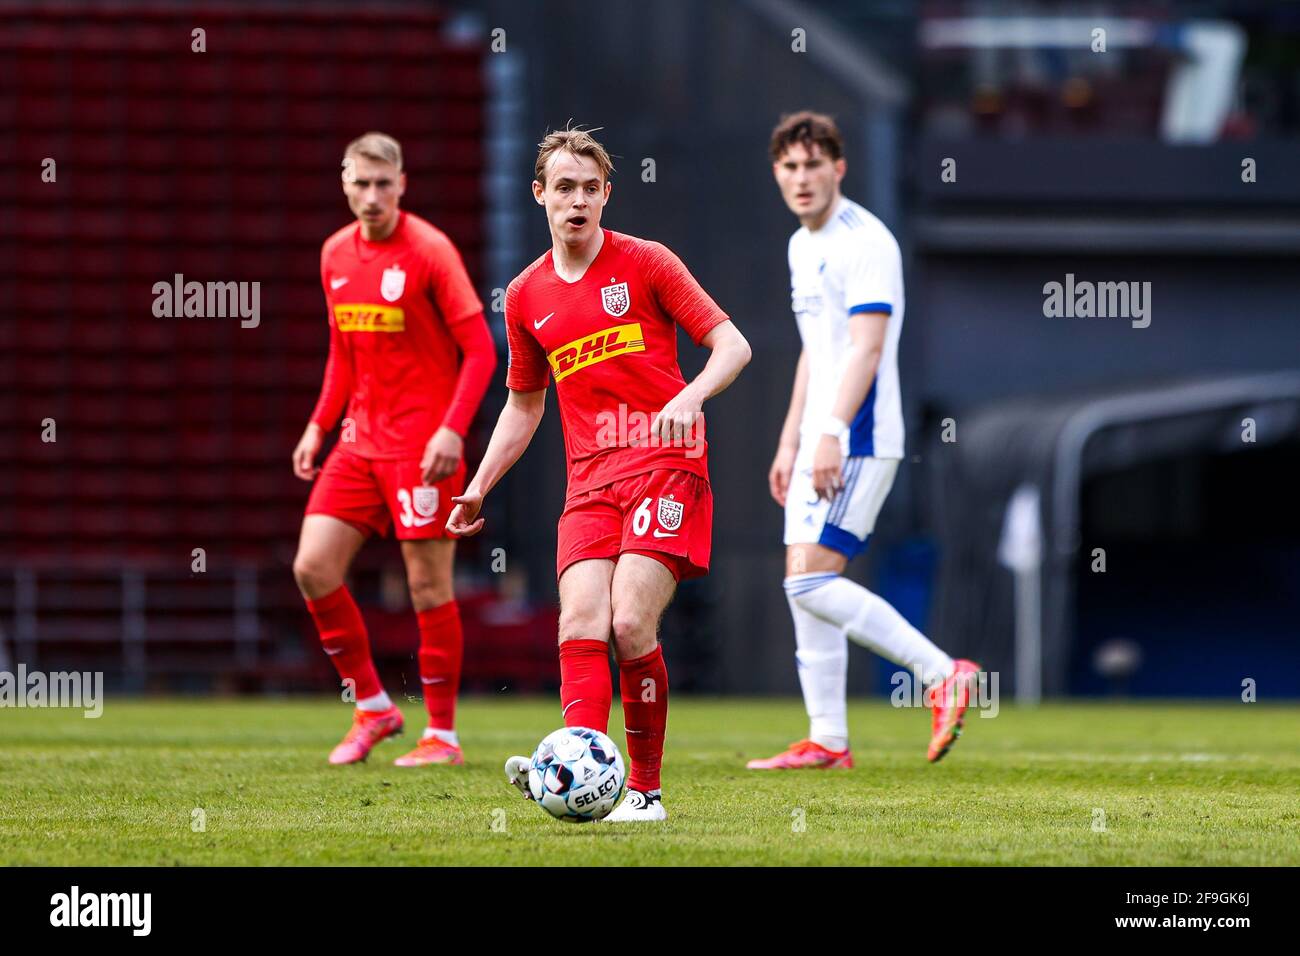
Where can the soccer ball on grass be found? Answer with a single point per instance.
(576, 774)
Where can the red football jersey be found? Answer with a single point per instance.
(610, 340)
(401, 312)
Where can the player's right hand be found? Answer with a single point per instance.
(778, 477)
(304, 456)
(464, 520)
(828, 468)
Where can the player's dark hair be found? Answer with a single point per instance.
(810, 129)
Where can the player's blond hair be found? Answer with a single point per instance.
(377, 146)
(579, 142)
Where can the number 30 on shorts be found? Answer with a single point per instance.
(419, 505)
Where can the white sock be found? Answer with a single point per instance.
(446, 736)
(823, 658)
(376, 703)
(869, 620)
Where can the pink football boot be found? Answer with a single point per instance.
(368, 728)
(806, 755)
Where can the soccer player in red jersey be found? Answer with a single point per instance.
(410, 357)
(599, 312)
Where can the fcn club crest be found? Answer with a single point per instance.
(615, 299)
(392, 284)
(425, 501)
(670, 514)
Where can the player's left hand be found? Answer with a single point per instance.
(778, 476)
(676, 422)
(828, 468)
(464, 520)
(441, 456)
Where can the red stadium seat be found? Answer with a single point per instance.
(175, 432)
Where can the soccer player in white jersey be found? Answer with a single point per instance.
(840, 448)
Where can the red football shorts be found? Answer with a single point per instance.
(666, 515)
(371, 495)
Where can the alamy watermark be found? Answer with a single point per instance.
(1103, 300)
(133, 911)
(624, 428)
(56, 689)
(208, 300)
(913, 690)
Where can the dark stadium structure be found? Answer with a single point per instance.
(175, 435)
(1145, 515)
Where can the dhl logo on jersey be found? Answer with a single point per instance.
(365, 317)
(590, 349)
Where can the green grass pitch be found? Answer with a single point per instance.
(1070, 783)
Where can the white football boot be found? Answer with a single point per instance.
(517, 774)
(638, 807)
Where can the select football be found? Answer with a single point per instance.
(576, 774)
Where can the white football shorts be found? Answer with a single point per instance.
(845, 523)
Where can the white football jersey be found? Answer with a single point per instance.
(850, 265)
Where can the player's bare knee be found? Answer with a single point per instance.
(315, 578)
(635, 634)
(583, 624)
(427, 593)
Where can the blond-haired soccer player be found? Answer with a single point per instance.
(599, 312)
(410, 358)
(840, 447)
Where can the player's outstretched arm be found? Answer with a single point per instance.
(442, 453)
(778, 477)
(514, 430)
(730, 353)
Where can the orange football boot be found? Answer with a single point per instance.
(431, 750)
(948, 710)
(806, 755)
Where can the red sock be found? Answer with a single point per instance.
(441, 648)
(643, 684)
(343, 635)
(585, 689)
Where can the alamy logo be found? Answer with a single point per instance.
(208, 300)
(56, 689)
(926, 690)
(103, 909)
(630, 428)
(1103, 300)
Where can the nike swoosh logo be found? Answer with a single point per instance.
(331, 651)
(433, 680)
(537, 324)
(663, 534)
(338, 283)
(572, 702)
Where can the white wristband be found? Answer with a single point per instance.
(835, 427)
